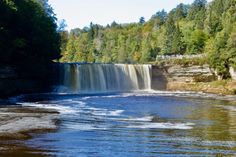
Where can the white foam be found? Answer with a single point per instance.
(107, 113)
(85, 98)
(116, 112)
(85, 127)
(139, 119)
(95, 109)
(157, 93)
(59, 108)
(81, 127)
(78, 103)
(181, 126)
(163, 93)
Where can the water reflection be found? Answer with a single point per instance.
(217, 121)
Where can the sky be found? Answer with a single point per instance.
(79, 13)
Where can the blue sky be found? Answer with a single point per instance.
(79, 13)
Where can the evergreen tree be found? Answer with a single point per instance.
(141, 20)
(160, 17)
(169, 36)
(178, 45)
(197, 13)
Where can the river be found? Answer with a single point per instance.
(135, 123)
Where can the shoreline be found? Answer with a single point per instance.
(195, 94)
(222, 88)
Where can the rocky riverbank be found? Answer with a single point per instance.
(17, 121)
(18, 124)
(226, 87)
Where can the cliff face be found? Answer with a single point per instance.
(15, 80)
(171, 77)
(180, 74)
(191, 78)
(190, 74)
(232, 72)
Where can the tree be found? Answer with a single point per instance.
(197, 42)
(169, 36)
(231, 47)
(181, 11)
(61, 25)
(64, 36)
(141, 20)
(178, 45)
(28, 32)
(218, 59)
(160, 17)
(214, 15)
(114, 24)
(197, 13)
(91, 32)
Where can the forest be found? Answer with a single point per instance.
(201, 27)
(28, 33)
(29, 45)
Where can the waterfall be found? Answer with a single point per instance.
(78, 78)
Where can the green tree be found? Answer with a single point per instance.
(178, 45)
(160, 17)
(181, 11)
(28, 32)
(141, 20)
(231, 47)
(218, 59)
(197, 42)
(197, 13)
(170, 32)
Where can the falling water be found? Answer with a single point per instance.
(105, 77)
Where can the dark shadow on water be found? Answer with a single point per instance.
(12, 149)
(52, 96)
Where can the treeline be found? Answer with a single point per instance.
(28, 33)
(29, 42)
(187, 29)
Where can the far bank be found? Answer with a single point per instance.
(182, 73)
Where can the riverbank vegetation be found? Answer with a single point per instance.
(28, 33)
(187, 29)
